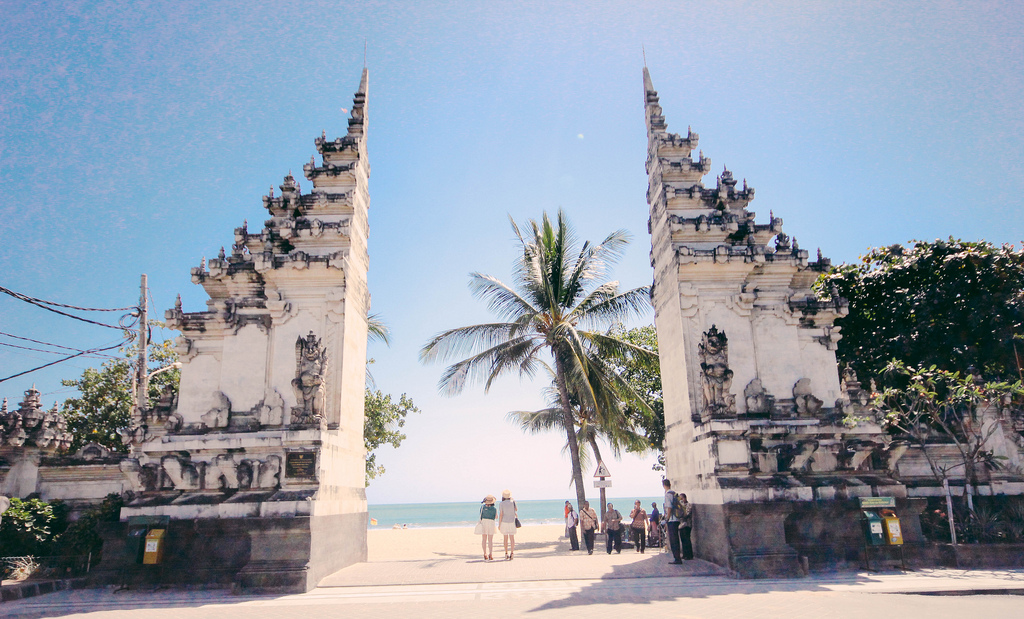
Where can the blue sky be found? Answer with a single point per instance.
(135, 136)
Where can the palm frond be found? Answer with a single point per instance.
(488, 365)
(467, 340)
(500, 297)
(605, 305)
(376, 330)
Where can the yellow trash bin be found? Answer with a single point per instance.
(893, 532)
(154, 549)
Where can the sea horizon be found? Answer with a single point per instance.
(457, 514)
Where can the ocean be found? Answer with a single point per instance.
(444, 515)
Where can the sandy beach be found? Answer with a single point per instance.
(415, 544)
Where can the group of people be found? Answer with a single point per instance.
(678, 514)
(502, 518)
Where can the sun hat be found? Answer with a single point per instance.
(489, 499)
(505, 494)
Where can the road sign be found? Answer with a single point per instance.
(602, 470)
(602, 483)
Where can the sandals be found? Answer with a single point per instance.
(511, 555)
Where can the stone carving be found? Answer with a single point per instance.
(245, 474)
(141, 478)
(893, 452)
(311, 370)
(221, 473)
(92, 451)
(180, 473)
(759, 401)
(801, 456)
(31, 426)
(269, 475)
(806, 404)
(220, 414)
(716, 377)
(271, 409)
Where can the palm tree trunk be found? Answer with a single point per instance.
(570, 434)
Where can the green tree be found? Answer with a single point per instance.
(28, 527)
(644, 376)
(952, 304)
(104, 405)
(559, 290)
(382, 424)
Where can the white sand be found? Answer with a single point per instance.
(409, 544)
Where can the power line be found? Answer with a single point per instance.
(68, 358)
(28, 339)
(45, 305)
(25, 297)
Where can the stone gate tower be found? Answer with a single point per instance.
(758, 424)
(259, 461)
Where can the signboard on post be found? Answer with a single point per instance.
(875, 502)
(602, 470)
(603, 483)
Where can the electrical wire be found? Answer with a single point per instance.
(25, 297)
(28, 339)
(44, 305)
(68, 358)
(53, 352)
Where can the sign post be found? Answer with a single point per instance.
(601, 473)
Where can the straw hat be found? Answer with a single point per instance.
(505, 494)
(489, 499)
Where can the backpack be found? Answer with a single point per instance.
(679, 511)
(488, 512)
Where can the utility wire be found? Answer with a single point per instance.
(25, 297)
(28, 339)
(45, 306)
(68, 358)
(51, 352)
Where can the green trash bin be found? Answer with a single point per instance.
(874, 533)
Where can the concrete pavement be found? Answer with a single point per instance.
(545, 581)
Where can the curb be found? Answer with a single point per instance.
(10, 593)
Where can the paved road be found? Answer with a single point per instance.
(665, 597)
(847, 595)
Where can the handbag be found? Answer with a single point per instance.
(518, 524)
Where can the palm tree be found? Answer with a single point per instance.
(559, 292)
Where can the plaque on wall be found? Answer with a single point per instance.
(300, 464)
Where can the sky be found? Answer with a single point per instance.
(134, 137)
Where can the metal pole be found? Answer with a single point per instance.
(142, 395)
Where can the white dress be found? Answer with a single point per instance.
(507, 517)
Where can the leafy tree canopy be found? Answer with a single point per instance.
(644, 376)
(952, 304)
(105, 402)
(382, 425)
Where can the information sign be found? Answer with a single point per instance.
(300, 464)
(875, 502)
(602, 483)
(602, 470)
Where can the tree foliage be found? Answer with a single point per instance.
(644, 376)
(929, 405)
(382, 425)
(105, 402)
(559, 299)
(952, 304)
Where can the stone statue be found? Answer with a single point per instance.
(758, 400)
(220, 413)
(311, 370)
(269, 475)
(716, 377)
(806, 404)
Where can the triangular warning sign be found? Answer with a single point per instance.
(602, 470)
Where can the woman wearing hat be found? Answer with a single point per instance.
(486, 526)
(508, 516)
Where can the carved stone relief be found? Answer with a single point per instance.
(220, 414)
(271, 409)
(806, 404)
(311, 370)
(716, 377)
(179, 473)
(759, 401)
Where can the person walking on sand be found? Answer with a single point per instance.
(611, 524)
(486, 526)
(588, 523)
(508, 518)
(570, 526)
(639, 527)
